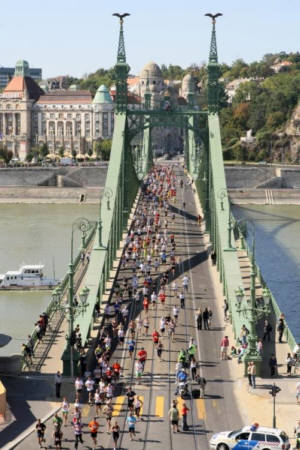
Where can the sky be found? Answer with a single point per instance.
(76, 37)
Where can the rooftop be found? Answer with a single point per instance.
(19, 84)
(66, 96)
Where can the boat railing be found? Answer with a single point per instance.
(55, 305)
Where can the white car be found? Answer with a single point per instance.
(250, 437)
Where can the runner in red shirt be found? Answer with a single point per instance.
(155, 337)
(162, 297)
(146, 304)
(142, 355)
(116, 368)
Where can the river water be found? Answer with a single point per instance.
(278, 253)
(33, 234)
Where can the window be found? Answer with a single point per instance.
(272, 438)
(52, 116)
(77, 128)
(60, 129)
(69, 130)
(242, 436)
(258, 437)
(9, 124)
(105, 124)
(69, 116)
(18, 124)
(52, 128)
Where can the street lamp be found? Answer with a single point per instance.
(266, 296)
(274, 391)
(239, 294)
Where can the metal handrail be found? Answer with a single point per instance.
(277, 311)
(64, 284)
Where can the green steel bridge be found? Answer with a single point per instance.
(204, 161)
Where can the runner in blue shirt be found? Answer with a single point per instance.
(131, 345)
(131, 420)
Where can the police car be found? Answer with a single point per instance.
(250, 437)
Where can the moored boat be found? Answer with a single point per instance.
(29, 276)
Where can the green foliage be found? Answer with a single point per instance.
(172, 72)
(5, 154)
(105, 148)
(44, 150)
(61, 151)
(94, 80)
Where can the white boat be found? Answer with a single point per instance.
(27, 277)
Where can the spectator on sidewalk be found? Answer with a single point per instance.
(58, 382)
(224, 347)
(289, 364)
(273, 365)
(267, 331)
(205, 319)
(280, 329)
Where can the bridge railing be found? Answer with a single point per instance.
(212, 191)
(63, 285)
(276, 309)
(118, 197)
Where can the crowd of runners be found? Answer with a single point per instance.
(152, 274)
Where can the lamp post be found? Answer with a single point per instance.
(250, 311)
(72, 311)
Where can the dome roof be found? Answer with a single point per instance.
(102, 95)
(151, 70)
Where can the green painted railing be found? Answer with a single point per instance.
(277, 311)
(118, 197)
(63, 285)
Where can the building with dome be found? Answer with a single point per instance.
(32, 114)
(71, 119)
(165, 94)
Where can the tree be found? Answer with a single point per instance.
(6, 154)
(105, 147)
(44, 150)
(97, 148)
(61, 151)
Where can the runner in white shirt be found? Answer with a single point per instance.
(162, 326)
(185, 282)
(153, 298)
(89, 384)
(175, 313)
(174, 288)
(78, 385)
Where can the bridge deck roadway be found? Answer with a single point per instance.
(218, 411)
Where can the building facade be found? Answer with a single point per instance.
(69, 119)
(7, 73)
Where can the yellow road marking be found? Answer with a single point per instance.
(216, 405)
(200, 404)
(86, 411)
(118, 405)
(180, 402)
(159, 406)
(141, 397)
